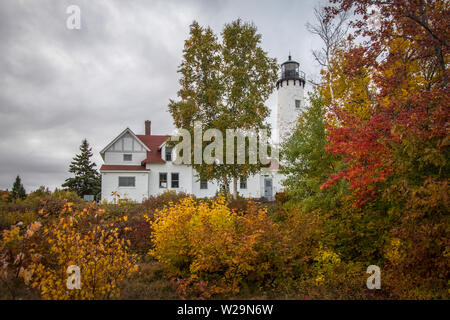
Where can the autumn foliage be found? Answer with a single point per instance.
(367, 184)
(385, 114)
(208, 243)
(99, 252)
(39, 254)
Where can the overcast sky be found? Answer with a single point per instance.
(58, 86)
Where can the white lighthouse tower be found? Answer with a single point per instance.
(291, 103)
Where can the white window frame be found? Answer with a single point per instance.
(171, 180)
(165, 153)
(167, 180)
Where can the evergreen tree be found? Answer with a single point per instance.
(18, 191)
(87, 179)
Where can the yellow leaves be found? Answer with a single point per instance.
(25, 274)
(393, 252)
(10, 235)
(100, 254)
(34, 227)
(206, 237)
(319, 279)
(352, 92)
(325, 261)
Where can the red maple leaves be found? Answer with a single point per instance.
(411, 105)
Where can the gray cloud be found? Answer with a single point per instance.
(58, 86)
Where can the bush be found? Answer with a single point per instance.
(137, 231)
(17, 252)
(4, 196)
(39, 205)
(153, 203)
(211, 248)
(9, 218)
(239, 205)
(150, 282)
(123, 208)
(101, 255)
(41, 192)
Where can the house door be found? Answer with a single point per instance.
(268, 188)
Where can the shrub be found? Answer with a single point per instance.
(123, 208)
(137, 231)
(42, 191)
(17, 252)
(153, 203)
(149, 282)
(418, 250)
(101, 255)
(69, 196)
(240, 205)
(9, 218)
(4, 195)
(208, 246)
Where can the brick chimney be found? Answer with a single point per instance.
(148, 127)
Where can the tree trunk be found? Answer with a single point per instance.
(234, 188)
(226, 187)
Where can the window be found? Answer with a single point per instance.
(168, 154)
(163, 180)
(127, 181)
(243, 183)
(203, 184)
(175, 180)
(127, 157)
(297, 104)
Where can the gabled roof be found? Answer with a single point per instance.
(153, 142)
(127, 130)
(106, 167)
(162, 144)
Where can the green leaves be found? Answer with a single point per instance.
(86, 179)
(18, 191)
(224, 85)
(306, 163)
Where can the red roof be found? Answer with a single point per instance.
(106, 167)
(153, 142)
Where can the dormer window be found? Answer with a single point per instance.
(127, 157)
(297, 104)
(168, 154)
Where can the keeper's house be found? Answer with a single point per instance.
(139, 166)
